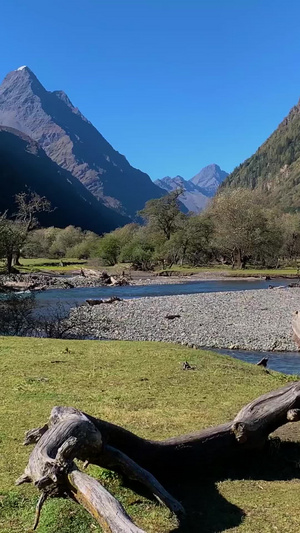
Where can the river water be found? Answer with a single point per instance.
(168, 289)
(286, 362)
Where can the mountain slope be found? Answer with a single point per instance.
(275, 167)
(25, 167)
(70, 140)
(198, 190)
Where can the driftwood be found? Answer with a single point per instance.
(186, 366)
(71, 434)
(108, 301)
(263, 362)
(296, 328)
(18, 286)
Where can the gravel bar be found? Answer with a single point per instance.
(247, 320)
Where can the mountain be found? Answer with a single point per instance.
(24, 167)
(198, 190)
(275, 166)
(192, 199)
(72, 142)
(209, 179)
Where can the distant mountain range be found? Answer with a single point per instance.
(275, 166)
(197, 190)
(25, 167)
(73, 143)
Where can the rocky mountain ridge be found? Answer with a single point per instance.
(72, 142)
(25, 167)
(197, 190)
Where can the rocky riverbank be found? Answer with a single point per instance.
(42, 280)
(250, 320)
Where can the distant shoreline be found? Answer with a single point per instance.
(150, 278)
(47, 280)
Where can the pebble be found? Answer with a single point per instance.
(245, 320)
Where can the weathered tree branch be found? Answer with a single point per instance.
(108, 512)
(114, 458)
(71, 434)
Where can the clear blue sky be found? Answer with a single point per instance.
(172, 84)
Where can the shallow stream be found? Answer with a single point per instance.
(79, 295)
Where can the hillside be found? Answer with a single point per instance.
(275, 167)
(25, 167)
(197, 190)
(72, 142)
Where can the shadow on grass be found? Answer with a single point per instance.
(206, 509)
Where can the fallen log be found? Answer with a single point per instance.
(110, 300)
(18, 286)
(71, 434)
(120, 281)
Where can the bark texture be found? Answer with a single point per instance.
(71, 434)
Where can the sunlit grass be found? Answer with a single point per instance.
(141, 386)
(236, 272)
(45, 264)
(70, 264)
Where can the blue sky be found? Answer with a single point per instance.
(172, 84)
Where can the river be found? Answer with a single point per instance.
(80, 295)
(286, 362)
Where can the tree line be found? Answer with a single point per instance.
(237, 228)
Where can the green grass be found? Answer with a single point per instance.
(228, 271)
(70, 264)
(142, 387)
(33, 265)
(44, 264)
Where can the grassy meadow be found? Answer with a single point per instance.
(142, 386)
(55, 265)
(69, 264)
(227, 270)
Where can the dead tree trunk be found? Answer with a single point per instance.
(296, 328)
(71, 434)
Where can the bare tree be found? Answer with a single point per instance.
(62, 320)
(20, 314)
(28, 206)
(16, 314)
